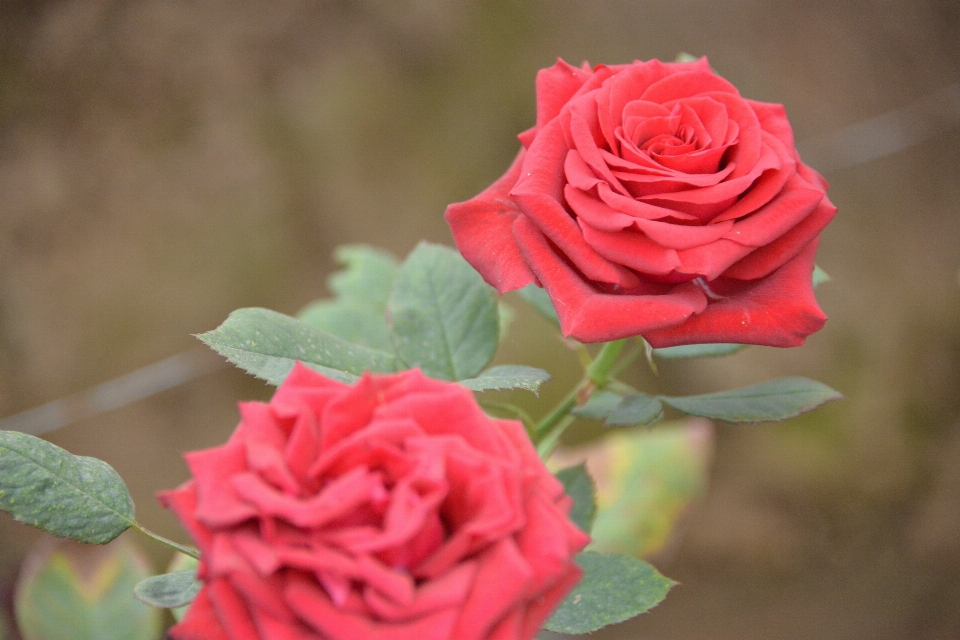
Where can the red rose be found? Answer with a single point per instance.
(391, 509)
(652, 199)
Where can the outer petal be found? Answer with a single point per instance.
(591, 316)
(555, 86)
(200, 622)
(778, 311)
(482, 232)
(763, 261)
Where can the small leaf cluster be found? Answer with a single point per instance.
(433, 311)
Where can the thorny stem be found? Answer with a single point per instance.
(190, 551)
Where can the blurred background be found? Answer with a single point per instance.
(165, 162)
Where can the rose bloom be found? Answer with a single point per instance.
(393, 509)
(652, 199)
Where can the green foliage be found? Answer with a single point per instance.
(508, 376)
(66, 495)
(443, 317)
(614, 588)
(767, 401)
(579, 486)
(84, 593)
(539, 299)
(698, 350)
(361, 290)
(181, 562)
(266, 344)
(169, 590)
(434, 312)
(635, 409)
(819, 276)
(598, 406)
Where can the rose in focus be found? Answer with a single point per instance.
(390, 509)
(652, 199)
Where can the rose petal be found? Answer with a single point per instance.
(768, 185)
(218, 504)
(591, 316)
(538, 192)
(763, 261)
(795, 203)
(201, 621)
(315, 608)
(492, 597)
(773, 120)
(482, 232)
(555, 86)
(231, 611)
(778, 311)
(632, 249)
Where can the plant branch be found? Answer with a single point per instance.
(190, 551)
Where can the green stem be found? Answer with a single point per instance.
(560, 411)
(599, 369)
(550, 441)
(627, 358)
(190, 551)
(598, 375)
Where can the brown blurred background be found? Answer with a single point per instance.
(165, 162)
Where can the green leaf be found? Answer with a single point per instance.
(443, 317)
(368, 275)
(353, 323)
(181, 562)
(169, 590)
(266, 344)
(819, 276)
(773, 400)
(70, 591)
(579, 486)
(635, 409)
(69, 496)
(598, 406)
(698, 350)
(539, 299)
(508, 376)
(356, 314)
(614, 588)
